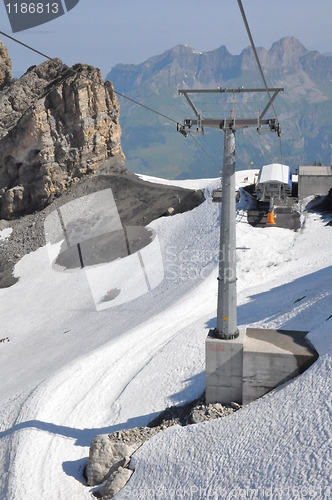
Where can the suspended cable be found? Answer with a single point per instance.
(146, 107)
(259, 65)
(204, 150)
(28, 47)
(280, 146)
(61, 64)
(86, 77)
(255, 53)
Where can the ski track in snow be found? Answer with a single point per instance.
(71, 372)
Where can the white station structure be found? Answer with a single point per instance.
(274, 183)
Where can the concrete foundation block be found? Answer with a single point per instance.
(224, 395)
(224, 369)
(244, 369)
(271, 358)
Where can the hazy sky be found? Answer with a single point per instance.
(106, 32)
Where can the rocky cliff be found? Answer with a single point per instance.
(57, 124)
(5, 66)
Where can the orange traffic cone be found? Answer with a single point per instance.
(270, 218)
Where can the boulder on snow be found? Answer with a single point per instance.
(106, 457)
(117, 480)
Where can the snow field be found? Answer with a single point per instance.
(71, 372)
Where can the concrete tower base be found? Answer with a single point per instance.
(271, 358)
(244, 369)
(224, 369)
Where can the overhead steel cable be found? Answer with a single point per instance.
(146, 107)
(98, 83)
(200, 145)
(87, 77)
(28, 47)
(256, 55)
(259, 65)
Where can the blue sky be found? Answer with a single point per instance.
(106, 32)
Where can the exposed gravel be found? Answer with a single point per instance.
(138, 203)
(192, 413)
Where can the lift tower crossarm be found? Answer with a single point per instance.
(240, 123)
(231, 123)
(226, 90)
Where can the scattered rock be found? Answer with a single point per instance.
(137, 434)
(202, 413)
(192, 413)
(4, 224)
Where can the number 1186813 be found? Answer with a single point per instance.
(32, 8)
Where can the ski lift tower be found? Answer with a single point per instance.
(226, 312)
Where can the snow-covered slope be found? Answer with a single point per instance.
(70, 372)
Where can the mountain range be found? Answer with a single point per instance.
(151, 144)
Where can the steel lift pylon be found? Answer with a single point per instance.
(227, 303)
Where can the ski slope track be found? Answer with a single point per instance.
(70, 372)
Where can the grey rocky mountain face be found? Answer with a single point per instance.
(56, 125)
(304, 109)
(187, 67)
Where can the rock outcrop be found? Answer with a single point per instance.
(5, 66)
(57, 124)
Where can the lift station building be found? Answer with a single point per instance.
(314, 180)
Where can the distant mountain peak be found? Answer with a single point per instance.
(289, 42)
(184, 64)
(180, 48)
(286, 52)
(304, 109)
